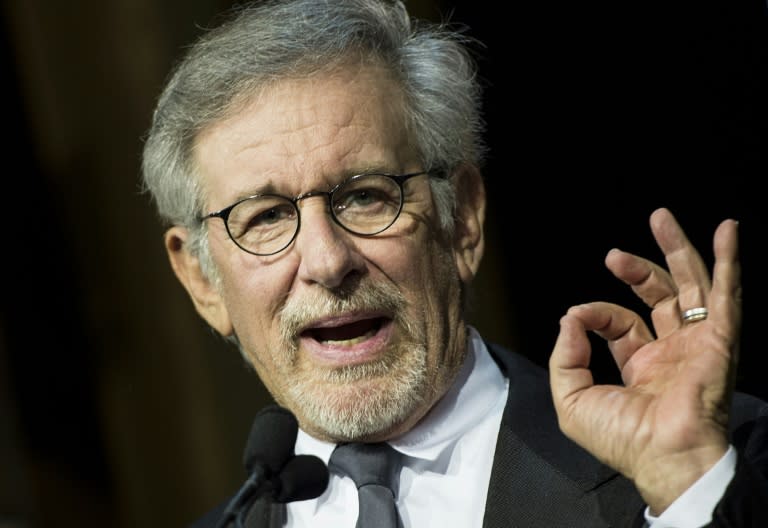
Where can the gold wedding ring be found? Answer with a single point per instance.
(695, 314)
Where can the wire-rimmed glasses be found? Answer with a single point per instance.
(265, 224)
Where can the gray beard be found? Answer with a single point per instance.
(339, 401)
(346, 413)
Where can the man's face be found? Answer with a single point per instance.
(358, 336)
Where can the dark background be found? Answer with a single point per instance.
(119, 408)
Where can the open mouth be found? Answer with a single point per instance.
(347, 340)
(346, 334)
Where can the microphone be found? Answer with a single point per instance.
(303, 477)
(271, 440)
(273, 468)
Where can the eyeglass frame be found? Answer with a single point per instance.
(399, 179)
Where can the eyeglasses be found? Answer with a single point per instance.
(265, 224)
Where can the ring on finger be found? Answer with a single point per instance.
(695, 314)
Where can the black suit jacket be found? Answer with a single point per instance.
(541, 479)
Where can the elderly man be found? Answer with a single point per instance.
(318, 163)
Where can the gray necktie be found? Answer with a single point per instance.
(375, 468)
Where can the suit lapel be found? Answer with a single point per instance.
(540, 478)
(266, 514)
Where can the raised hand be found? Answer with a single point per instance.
(667, 424)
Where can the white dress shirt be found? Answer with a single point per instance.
(449, 455)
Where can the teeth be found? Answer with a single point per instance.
(349, 342)
(344, 342)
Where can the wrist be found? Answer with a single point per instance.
(669, 477)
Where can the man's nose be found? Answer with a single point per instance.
(328, 252)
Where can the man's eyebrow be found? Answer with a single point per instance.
(372, 169)
(270, 187)
(265, 188)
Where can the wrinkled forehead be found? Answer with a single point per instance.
(314, 127)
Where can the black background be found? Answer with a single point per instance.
(600, 112)
(118, 409)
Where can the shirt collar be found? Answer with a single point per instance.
(476, 390)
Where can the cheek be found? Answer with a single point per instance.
(423, 270)
(399, 259)
(253, 292)
(426, 274)
(254, 297)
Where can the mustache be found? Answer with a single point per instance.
(320, 303)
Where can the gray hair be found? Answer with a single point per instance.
(263, 42)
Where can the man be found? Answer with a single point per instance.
(318, 164)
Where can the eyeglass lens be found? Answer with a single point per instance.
(365, 205)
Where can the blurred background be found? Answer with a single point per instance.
(119, 408)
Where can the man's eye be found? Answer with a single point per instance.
(270, 216)
(362, 198)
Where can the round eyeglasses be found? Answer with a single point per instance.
(265, 224)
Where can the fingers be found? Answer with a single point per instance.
(725, 297)
(652, 283)
(684, 286)
(686, 266)
(649, 281)
(569, 362)
(624, 331)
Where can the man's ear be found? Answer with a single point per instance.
(205, 296)
(469, 242)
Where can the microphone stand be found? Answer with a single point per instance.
(273, 467)
(247, 493)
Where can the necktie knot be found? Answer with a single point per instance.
(375, 469)
(368, 463)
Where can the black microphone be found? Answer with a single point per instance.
(271, 440)
(303, 477)
(273, 468)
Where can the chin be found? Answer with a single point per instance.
(363, 401)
